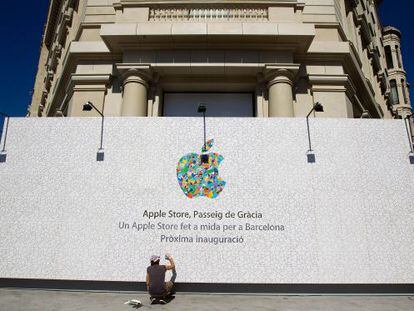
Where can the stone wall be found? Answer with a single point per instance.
(291, 54)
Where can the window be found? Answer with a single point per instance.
(394, 93)
(404, 91)
(388, 57)
(218, 104)
(373, 18)
(397, 52)
(372, 31)
(76, 6)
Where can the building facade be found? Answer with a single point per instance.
(330, 219)
(243, 58)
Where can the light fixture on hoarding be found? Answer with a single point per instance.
(202, 108)
(88, 107)
(310, 154)
(3, 152)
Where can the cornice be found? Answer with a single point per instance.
(138, 3)
(332, 83)
(390, 30)
(87, 82)
(127, 70)
(397, 72)
(391, 37)
(272, 71)
(77, 78)
(53, 15)
(328, 79)
(134, 36)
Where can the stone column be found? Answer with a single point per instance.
(135, 100)
(281, 95)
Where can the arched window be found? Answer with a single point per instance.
(394, 93)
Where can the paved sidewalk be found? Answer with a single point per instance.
(50, 300)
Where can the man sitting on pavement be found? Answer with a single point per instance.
(156, 285)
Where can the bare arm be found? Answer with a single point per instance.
(148, 281)
(171, 265)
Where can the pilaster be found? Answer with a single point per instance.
(335, 92)
(85, 87)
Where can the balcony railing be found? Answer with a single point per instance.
(192, 14)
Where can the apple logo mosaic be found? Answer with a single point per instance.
(198, 174)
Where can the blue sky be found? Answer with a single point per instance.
(22, 29)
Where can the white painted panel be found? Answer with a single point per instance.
(348, 218)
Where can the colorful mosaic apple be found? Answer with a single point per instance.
(199, 179)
